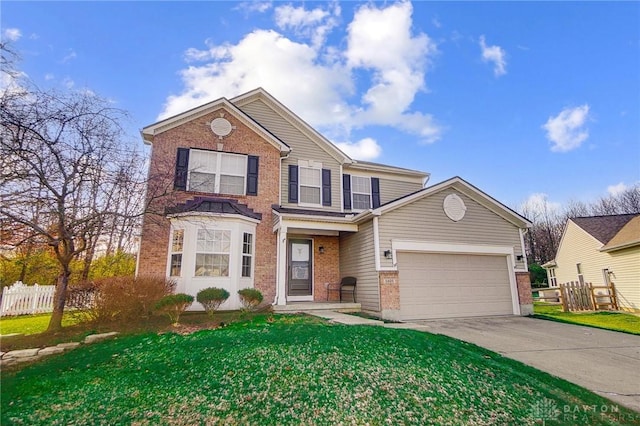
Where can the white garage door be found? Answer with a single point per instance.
(453, 285)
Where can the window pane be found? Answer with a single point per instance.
(210, 240)
(360, 184)
(232, 185)
(309, 195)
(231, 164)
(212, 265)
(178, 240)
(246, 266)
(176, 265)
(202, 182)
(361, 202)
(202, 161)
(309, 176)
(247, 243)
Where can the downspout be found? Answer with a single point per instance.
(524, 250)
(278, 249)
(376, 243)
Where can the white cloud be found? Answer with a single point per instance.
(566, 130)
(254, 6)
(494, 54)
(364, 149)
(12, 34)
(380, 40)
(71, 55)
(538, 204)
(313, 24)
(49, 77)
(617, 189)
(383, 58)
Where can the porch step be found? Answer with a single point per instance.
(315, 306)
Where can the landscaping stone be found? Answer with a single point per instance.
(22, 353)
(98, 337)
(69, 345)
(7, 362)
(50, 351)
(28, 359)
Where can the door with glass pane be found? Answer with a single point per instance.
(300, 268)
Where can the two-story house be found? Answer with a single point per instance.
(249, 195)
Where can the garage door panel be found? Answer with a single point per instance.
(435, 285)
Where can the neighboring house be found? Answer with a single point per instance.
(255, 197)
(600, 250)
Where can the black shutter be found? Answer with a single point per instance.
(252, 175)
(293, 184)
(346, 191)
(326, 187)
(375, 192)
(182, 169)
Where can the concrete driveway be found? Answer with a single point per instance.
(605, 362)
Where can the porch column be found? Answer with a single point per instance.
(282, 266)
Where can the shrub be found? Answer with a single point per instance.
(250, 298)
(174, 305)
(211, 298)
(124, 299)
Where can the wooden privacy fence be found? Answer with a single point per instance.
(20, 299)
(577, 296)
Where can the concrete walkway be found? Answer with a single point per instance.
(605, 362)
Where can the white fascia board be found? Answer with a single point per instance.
(433, 247)
(363, 169)
(320, 225)
(192, 216)
(150, 131)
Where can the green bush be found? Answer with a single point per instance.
(250, 298)
(173, 305)
(211, 298)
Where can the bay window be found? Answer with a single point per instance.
(212, 253)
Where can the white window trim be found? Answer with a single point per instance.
(218, 173)
(312, 165)
(361, 193)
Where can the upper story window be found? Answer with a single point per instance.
(360, 193)
(310, 185)
(217, 172)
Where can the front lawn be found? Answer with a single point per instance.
(295, 370)
(616, 321)
(31, 324)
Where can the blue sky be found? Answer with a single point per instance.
(526, 100)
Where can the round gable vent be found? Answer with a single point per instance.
(454, 207)
(221, 126)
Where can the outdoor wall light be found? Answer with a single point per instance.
(321, 249)
(519, 257)
(387, 254)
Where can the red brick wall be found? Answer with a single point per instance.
(523, 282)
(389, 290)
(197, 134)
(327, 267)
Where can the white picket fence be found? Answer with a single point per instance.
(21, 299)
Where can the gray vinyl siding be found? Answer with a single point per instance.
(357, 260)
(302, 148)
(393, 189)
(425, 220)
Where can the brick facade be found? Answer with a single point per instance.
(196, 133)
(327, 267)
(523, 282)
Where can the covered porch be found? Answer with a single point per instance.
(308, 257)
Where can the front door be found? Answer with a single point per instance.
(300, 268)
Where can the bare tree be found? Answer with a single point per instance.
(62, 167)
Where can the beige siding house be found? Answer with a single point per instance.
(258, 198)
(600, 250)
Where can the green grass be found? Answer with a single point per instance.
(30, 324)
(281, 370)
(616, 321)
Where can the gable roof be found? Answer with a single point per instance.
(603, 228)
(151, 130)
(294, 120)
(628, 236)
(465, 188)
